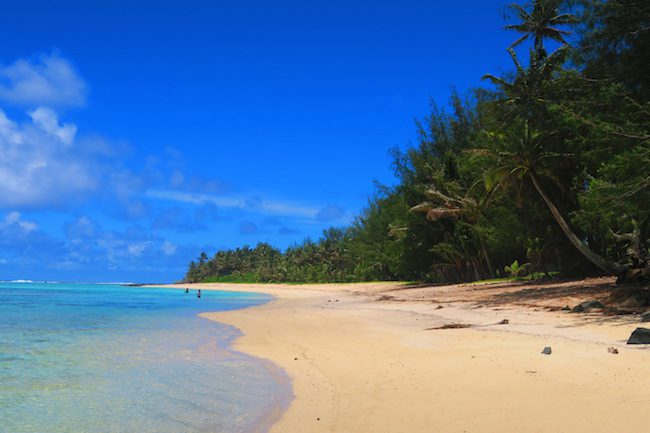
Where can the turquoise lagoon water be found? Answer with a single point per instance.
(81, 358)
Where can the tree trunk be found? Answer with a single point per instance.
(477, 274)
(486, 257)
(610, 268)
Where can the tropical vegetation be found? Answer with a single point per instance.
(545, 169)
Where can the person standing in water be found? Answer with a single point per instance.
(187, 290)
(198, 294)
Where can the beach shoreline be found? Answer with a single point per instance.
(365, 358)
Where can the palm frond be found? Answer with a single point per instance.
(520, 40)
(496, 80)
(443, 212)
(435, 195)
(520, 11)
(515, 59)
(564, 19)
(422, 207)
(555, 30)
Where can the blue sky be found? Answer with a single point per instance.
(134, 135)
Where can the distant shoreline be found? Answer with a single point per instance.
(365, 358)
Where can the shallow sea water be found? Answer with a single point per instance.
(79, 358)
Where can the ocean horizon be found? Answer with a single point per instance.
(90, 357)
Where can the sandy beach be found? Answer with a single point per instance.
(364, 358)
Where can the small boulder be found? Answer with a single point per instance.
(612, 350)
(547, 350)
(640, 336)
(645, 317)
(586, 306)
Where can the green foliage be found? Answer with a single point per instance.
(615, 42)
(517, 271)
(549, 165)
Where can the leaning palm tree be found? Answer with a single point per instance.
(541, 23)
(523, 158)
(521, 152)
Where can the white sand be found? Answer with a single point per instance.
(370, 367)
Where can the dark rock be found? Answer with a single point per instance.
(504, 322)
(586, 306)
(566, 308)
(547, 350)
(640, 336)
(645, 317)
(612, 350)
(439, 307)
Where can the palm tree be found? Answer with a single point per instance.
(522, 156)
(521, 152)
(457, 204)
(540, 23)
(525, 92)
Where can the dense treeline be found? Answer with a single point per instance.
(548, 165)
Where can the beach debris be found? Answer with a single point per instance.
(612, 350)
(503, 322)
(450, 326)
(385, 298)
(547, 350)
(439, 307)
(586, 306)
(645, 317)
(295, 359)
(640, 336)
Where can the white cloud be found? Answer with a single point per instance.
(305, 214)
(47, 120)
(168, 248)
(40, 162)
(44, 80)
(177, 179)
(194, 198)
(87, 244)
(254, 205)
(81, 229)
(136, 249)
(13, 220)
